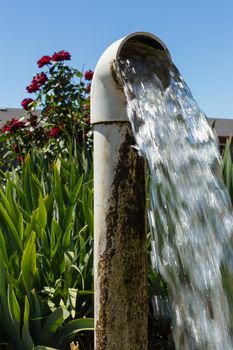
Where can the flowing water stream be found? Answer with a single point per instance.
(190, 214)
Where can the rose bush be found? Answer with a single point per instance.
(57, 119)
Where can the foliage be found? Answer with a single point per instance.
(227, 167)
(46, 254)
(62, 119)
(46, 227)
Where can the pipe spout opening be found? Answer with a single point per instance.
(107, 97)
(153, 53)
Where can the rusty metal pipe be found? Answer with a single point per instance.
(120, 273)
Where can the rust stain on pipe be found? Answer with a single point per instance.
(122, 319)
(116, 76)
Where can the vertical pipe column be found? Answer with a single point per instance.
(120, 249)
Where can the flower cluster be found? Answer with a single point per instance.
(63, 97)
(61, 56)
(12, 126)
(37, 81)
(56, 57)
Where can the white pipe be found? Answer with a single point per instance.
(107, 100)
(120, 275)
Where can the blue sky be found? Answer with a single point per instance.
(199, 35)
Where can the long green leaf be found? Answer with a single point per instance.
(12, 229)
(15, 314)
(66, 238)
(9, 209)
(5, 318)
(41, 347)
(3, 249)
(26, 336)
(73, 293)
(41, 214)
(53, 322)
(28, 264)
(68, 332)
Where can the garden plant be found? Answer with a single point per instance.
(46, 226)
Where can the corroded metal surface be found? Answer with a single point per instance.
(121, 268)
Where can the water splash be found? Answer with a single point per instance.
(190, 214)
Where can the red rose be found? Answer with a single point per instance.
(54, 132)
(61, 56)
(88, 74)
(88, 88)
(37, 81)
(43, 61)
(13, 125)
(6, 128)
(33, 87)
(40, 78)
(16, 124)
(26, 103)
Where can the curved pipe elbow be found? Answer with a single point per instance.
(107, 99)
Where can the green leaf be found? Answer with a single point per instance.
(72, 295)
(227, 169)
(73, 199)
(87, 208)
(68, 332)
(26, 312)
(26, 336)
(3, 249)
(21, 226)
(53, 322)
(86, 292)
(58, 194)
(12, 229)
(36, 312)
(14, 310)
(34, 191)
(27, 185)
(56, 233)
(42, 347)
(66, 237)
(41, 214)
(18, 188)
(76, 190)
(3, 296)
(69, 214)
(10, 210)
(37, 182)
(28, 263)
(66, 263)
(31, 226)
